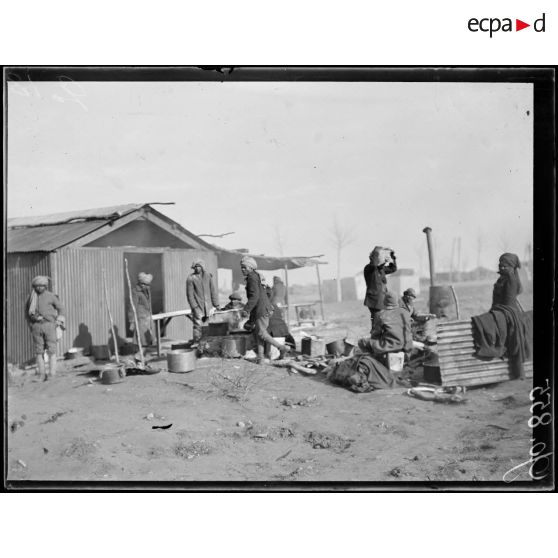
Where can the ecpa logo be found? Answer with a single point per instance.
(492, 25)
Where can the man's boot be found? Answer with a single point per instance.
(40, 373)
(52, 366)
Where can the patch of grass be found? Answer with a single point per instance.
(191, 450)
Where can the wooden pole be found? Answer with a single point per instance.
(134, 312)
(320, 291)
(428, 232)
(114, 340)
(287, 294)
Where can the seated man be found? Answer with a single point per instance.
(392, 330)
(419, 326)
(235, 302)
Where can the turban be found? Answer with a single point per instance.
(199, 262)
(249, 261)
(145, 278)
(410, 292)
(390, 299)
(511, 260)
(40, 280)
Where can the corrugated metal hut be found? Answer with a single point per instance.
(74, 249)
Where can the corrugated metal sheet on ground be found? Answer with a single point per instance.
(48, 238)
(78, 278)
(458, 364)
(102, 213)
(21, 268)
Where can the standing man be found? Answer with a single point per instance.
(202, 296)
(43, 312)
(382, 262)
(141, 296)
(278, 292)
(259, 308)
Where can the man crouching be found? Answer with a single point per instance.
(259, 308)
(43, 313)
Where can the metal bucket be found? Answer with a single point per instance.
(233, 346)
(349, 347)
(111, 374)
(182, 360)
(100, 352)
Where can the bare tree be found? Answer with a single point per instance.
(341, 236)
(479, 247)
(279, 240)
(504, 242)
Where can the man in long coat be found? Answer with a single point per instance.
(202, 296)
(375, 273)
(141, 296)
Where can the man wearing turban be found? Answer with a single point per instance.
(44, 312)
(508, 286)
(202, 296)
(141, 297)
(259, 308)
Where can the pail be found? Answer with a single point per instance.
(111, 374)
(336, 348)
(233, 346)
(274, 351)
(396, 361)
(182, 360)
(349, 347)
(100, 352)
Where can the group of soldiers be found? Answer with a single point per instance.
(390, 317)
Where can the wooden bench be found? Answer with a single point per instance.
(457, 361)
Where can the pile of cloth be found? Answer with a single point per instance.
(504, 332)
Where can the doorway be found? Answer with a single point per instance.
(146, 262)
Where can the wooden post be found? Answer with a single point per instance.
(320, 291)
(287, 294)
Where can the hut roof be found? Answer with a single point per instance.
(48, 233)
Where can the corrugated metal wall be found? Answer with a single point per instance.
(78, 279)
(176, 268)
(21, 268)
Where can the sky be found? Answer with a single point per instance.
(280, 163)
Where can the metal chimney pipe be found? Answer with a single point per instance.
(428, 232)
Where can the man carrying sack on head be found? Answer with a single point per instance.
(259, 308)
(382, 262)
(43, 312)
(141, 297)
(202, 297)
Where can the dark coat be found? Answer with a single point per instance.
(505, 292)
(142, 302)
(376, 284)
(258, 304)
(392, 331)
(278, 292)
(201, 293)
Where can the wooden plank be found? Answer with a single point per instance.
(453, 370)
(475, 364)
(459, 344)
(454, 335)
(461, 327)
(463, 357)
(457, 353)
(480, 380)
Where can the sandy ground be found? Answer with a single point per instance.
(237, 421)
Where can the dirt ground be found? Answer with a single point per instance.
(236, 421)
